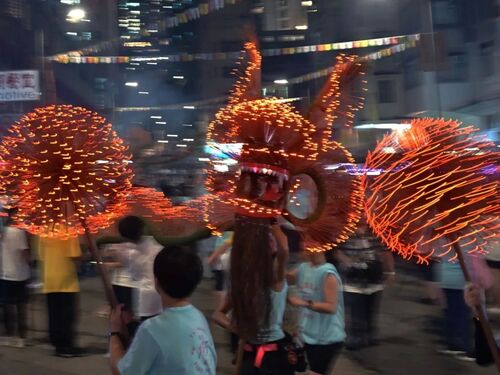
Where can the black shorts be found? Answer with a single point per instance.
(493, 264)
(273, 363)
(321, 358)
(13, 292)
(124, 296)
(219, 278)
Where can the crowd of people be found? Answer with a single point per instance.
(155, 329)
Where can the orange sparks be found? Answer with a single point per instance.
(63, 167)
(440, 187)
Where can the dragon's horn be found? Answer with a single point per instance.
(335, 103)
(248, 85)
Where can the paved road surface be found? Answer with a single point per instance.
(407, 330)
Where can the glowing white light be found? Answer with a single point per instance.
(281, 81)
(301, 27)
(187, 125)
(203, 159)
(188, 139)
(158, 117)
(389, 150)
(153, 58)
(180, 145)
(143, 92)
(221, 168)
(131, 84)
(161, 122)
(178, 77)
(392, 126)
(189, 107)
(306, 3)
(76, 15)
(162, 141)
(172, 135)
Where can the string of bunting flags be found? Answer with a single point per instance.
(291, 81)
(369, 57)
(185, 57)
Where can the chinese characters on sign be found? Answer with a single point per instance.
(19, 85)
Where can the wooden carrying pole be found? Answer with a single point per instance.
(239, 356)
(108, 290)
(483, 320)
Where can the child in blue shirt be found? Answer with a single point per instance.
(177, 341)
(321, 326)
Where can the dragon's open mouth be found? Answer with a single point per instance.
(265, 169)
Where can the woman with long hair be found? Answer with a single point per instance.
(257, 296)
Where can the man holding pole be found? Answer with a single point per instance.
(474, 299)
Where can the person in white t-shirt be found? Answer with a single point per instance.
(121, 280)
(14, 277)
(219, 260)
(146, 299)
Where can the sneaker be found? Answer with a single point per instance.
(103, 312)
(447, 351)
(10, 341)
(462, 356)
(494, 310)
(18, 342)
(68, 352)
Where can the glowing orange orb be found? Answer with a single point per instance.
(439, 188)
(64, 167)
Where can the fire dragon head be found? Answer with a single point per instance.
(280, 148)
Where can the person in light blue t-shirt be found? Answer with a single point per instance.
(456, 316)
(321, 325)
(177, 341)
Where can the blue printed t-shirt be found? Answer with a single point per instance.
(317, 328)
(178, 341)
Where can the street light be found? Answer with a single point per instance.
(75, 15)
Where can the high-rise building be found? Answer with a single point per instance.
(284, 15)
